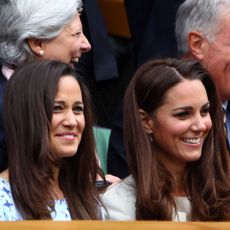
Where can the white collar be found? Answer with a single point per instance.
(7, 72)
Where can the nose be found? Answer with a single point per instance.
(85, 45)
(70, 119)
(199, 124)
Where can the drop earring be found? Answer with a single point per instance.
(150, 138)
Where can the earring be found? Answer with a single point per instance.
(41, 52)
(150, 138)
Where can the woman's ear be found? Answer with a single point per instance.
(36, 46)
(147, 121)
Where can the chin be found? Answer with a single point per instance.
(194, 158)
(64, 154)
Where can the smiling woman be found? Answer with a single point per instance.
(37, 30)
(175, 145)
(49, 134)
(181, 124)
(68, 121)
(41, 29)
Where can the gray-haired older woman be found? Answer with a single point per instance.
(37, 30)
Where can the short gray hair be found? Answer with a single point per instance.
(200, 15)
(23, 19)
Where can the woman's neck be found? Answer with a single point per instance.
(57, 192)
(180, 189)
(178, 170)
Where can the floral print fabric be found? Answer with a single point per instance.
(8, 210)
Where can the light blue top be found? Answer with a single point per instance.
(9, 212)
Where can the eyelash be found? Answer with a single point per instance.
(57, 108)
(76, 34)
(205, 110)
(77, 109)
(184, 114)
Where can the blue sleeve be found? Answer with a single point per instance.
(8, 211)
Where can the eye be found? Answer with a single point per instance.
(77, 34)
(182, 115)
(205, 110)
(78, 109)
(57, 108)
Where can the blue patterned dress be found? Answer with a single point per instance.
(8, 210)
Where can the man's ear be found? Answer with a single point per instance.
(36, 46)
(147, 122)
(197, 43)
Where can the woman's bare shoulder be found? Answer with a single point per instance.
(5, 175)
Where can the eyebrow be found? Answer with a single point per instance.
(190, 107)
(63, 102)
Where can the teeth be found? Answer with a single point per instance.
(68, 136)
(76, 59)
(192, 140)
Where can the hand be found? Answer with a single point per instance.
(112, 179)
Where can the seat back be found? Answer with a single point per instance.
(102, 136)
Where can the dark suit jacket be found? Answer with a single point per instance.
(116, 159)
(152, 27)
(98, 67)
(3, 155)
(100, 62)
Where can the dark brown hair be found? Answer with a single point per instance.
(28, 109)
(207, 179)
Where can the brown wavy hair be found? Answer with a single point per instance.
(28, 109)
(206, 181)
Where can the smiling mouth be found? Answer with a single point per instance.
(67, 136)
(76, 59)
(192, 140)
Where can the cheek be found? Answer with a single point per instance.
(176, 126)
(81, 122)
(170, 129)
(75, 48)
(73, 43)
(213, 59)
(54, 122)
(208, 123)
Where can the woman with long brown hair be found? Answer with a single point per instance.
(175, 145)
(52, 162)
